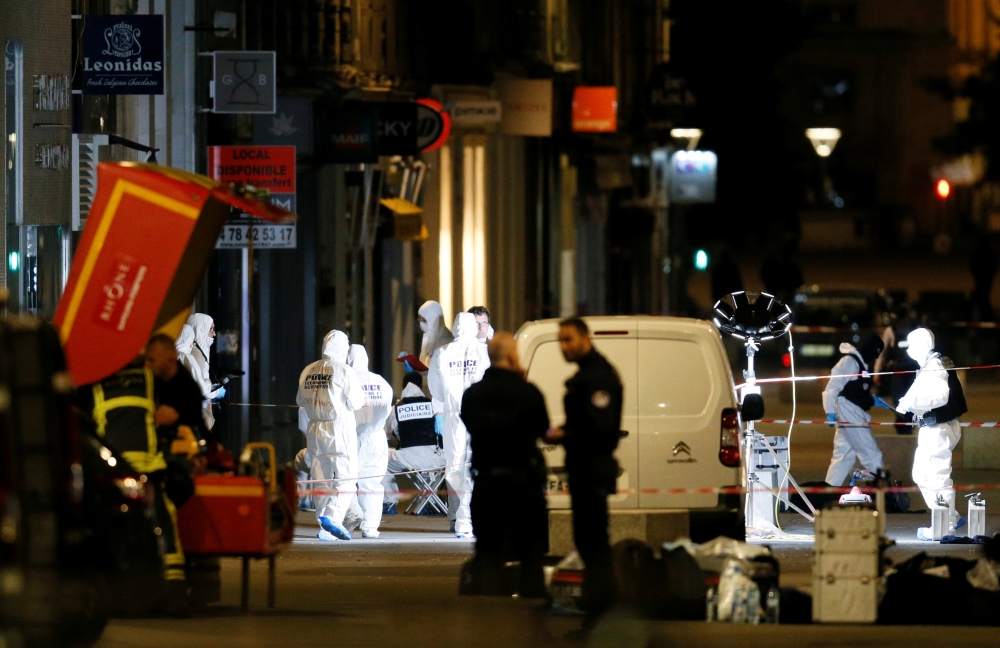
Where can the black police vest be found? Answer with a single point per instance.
(858, 390)
(955, 406)
(415, 422)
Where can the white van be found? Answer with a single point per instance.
(680, 406)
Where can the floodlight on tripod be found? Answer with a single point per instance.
(754, 318)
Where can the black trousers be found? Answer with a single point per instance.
(166, 520)
(509, 520)
(590, 483)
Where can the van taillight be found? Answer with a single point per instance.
(729, 439)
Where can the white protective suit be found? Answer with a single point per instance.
(329, 393)
(455, 367)
(373, 448)
(935, 443)
(850, 441)
(202, 326)
(185, 348)
(422, 457)
(436, 333)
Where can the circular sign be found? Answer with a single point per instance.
(433, 125)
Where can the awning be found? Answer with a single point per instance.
(141, 258)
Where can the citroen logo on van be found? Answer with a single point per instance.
(684, 449)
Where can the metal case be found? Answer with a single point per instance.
(846, 565)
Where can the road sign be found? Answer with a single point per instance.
(271, 169)
(244, 82)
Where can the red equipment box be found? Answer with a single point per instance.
(228, 516)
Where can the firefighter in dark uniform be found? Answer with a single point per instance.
(506, 416)
(593, 405)
(121, 410)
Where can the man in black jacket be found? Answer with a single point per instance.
(593, 405)
(506, 416)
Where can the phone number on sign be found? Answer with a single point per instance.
(262, 236)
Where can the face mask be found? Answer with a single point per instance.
(423, 327)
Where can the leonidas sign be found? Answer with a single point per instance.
(595, 109)
(264, 167)
(123, 55)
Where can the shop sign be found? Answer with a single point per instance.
(433, 125)
(290, 125)
(244, 82)
(476, 113)
(693, 176)
(123, 55)
(526, 106)
(353, 135)
(397, 128)
(595, 109)
(271, 170)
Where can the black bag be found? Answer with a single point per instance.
(178, 483)
(671, 586)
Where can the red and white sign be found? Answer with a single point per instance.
(433, 125)
(264, 167)
(595, 109)
(526, 106)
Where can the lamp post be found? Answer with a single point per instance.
(824, 140)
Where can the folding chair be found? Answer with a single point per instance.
(428, 482)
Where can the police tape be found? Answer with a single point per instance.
(975, 424)
(865, 374)
(709, 490)
(801, 328)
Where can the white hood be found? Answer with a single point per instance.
(436, 334)
(465, 327)
(185, 341)
(335, 346)
(202, 325)
(357, 357)
(411, 391)
(847, 348)
(920, 344)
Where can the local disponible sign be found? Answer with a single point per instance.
(271, 170)
(123, 55)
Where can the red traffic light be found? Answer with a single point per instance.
(943, 189)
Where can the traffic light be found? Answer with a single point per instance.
(943, 189)
(13, 261)
(701, 260)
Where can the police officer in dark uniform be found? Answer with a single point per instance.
(593, 405)
(506, 416)
(121, 410)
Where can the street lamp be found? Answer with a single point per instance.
(692, 135)
(823, 140)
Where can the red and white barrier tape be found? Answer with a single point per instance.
(763, 381)
(976, 424)
(717, 490)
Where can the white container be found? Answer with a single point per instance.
(977, 516)
(940, 522)
(846, 565)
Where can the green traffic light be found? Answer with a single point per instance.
(701, 260)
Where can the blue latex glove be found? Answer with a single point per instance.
(219, 395)
(831, 420)
(884, 405)
(439, 424)
(406, 365)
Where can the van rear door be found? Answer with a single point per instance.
(682, 381)
(549, 372)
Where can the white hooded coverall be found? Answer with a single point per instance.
(373, 447)
(329, 393)
(454, 368)
(850, 441)
(436, 335)
(185, 348)
(202, 326)
(935, 443)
